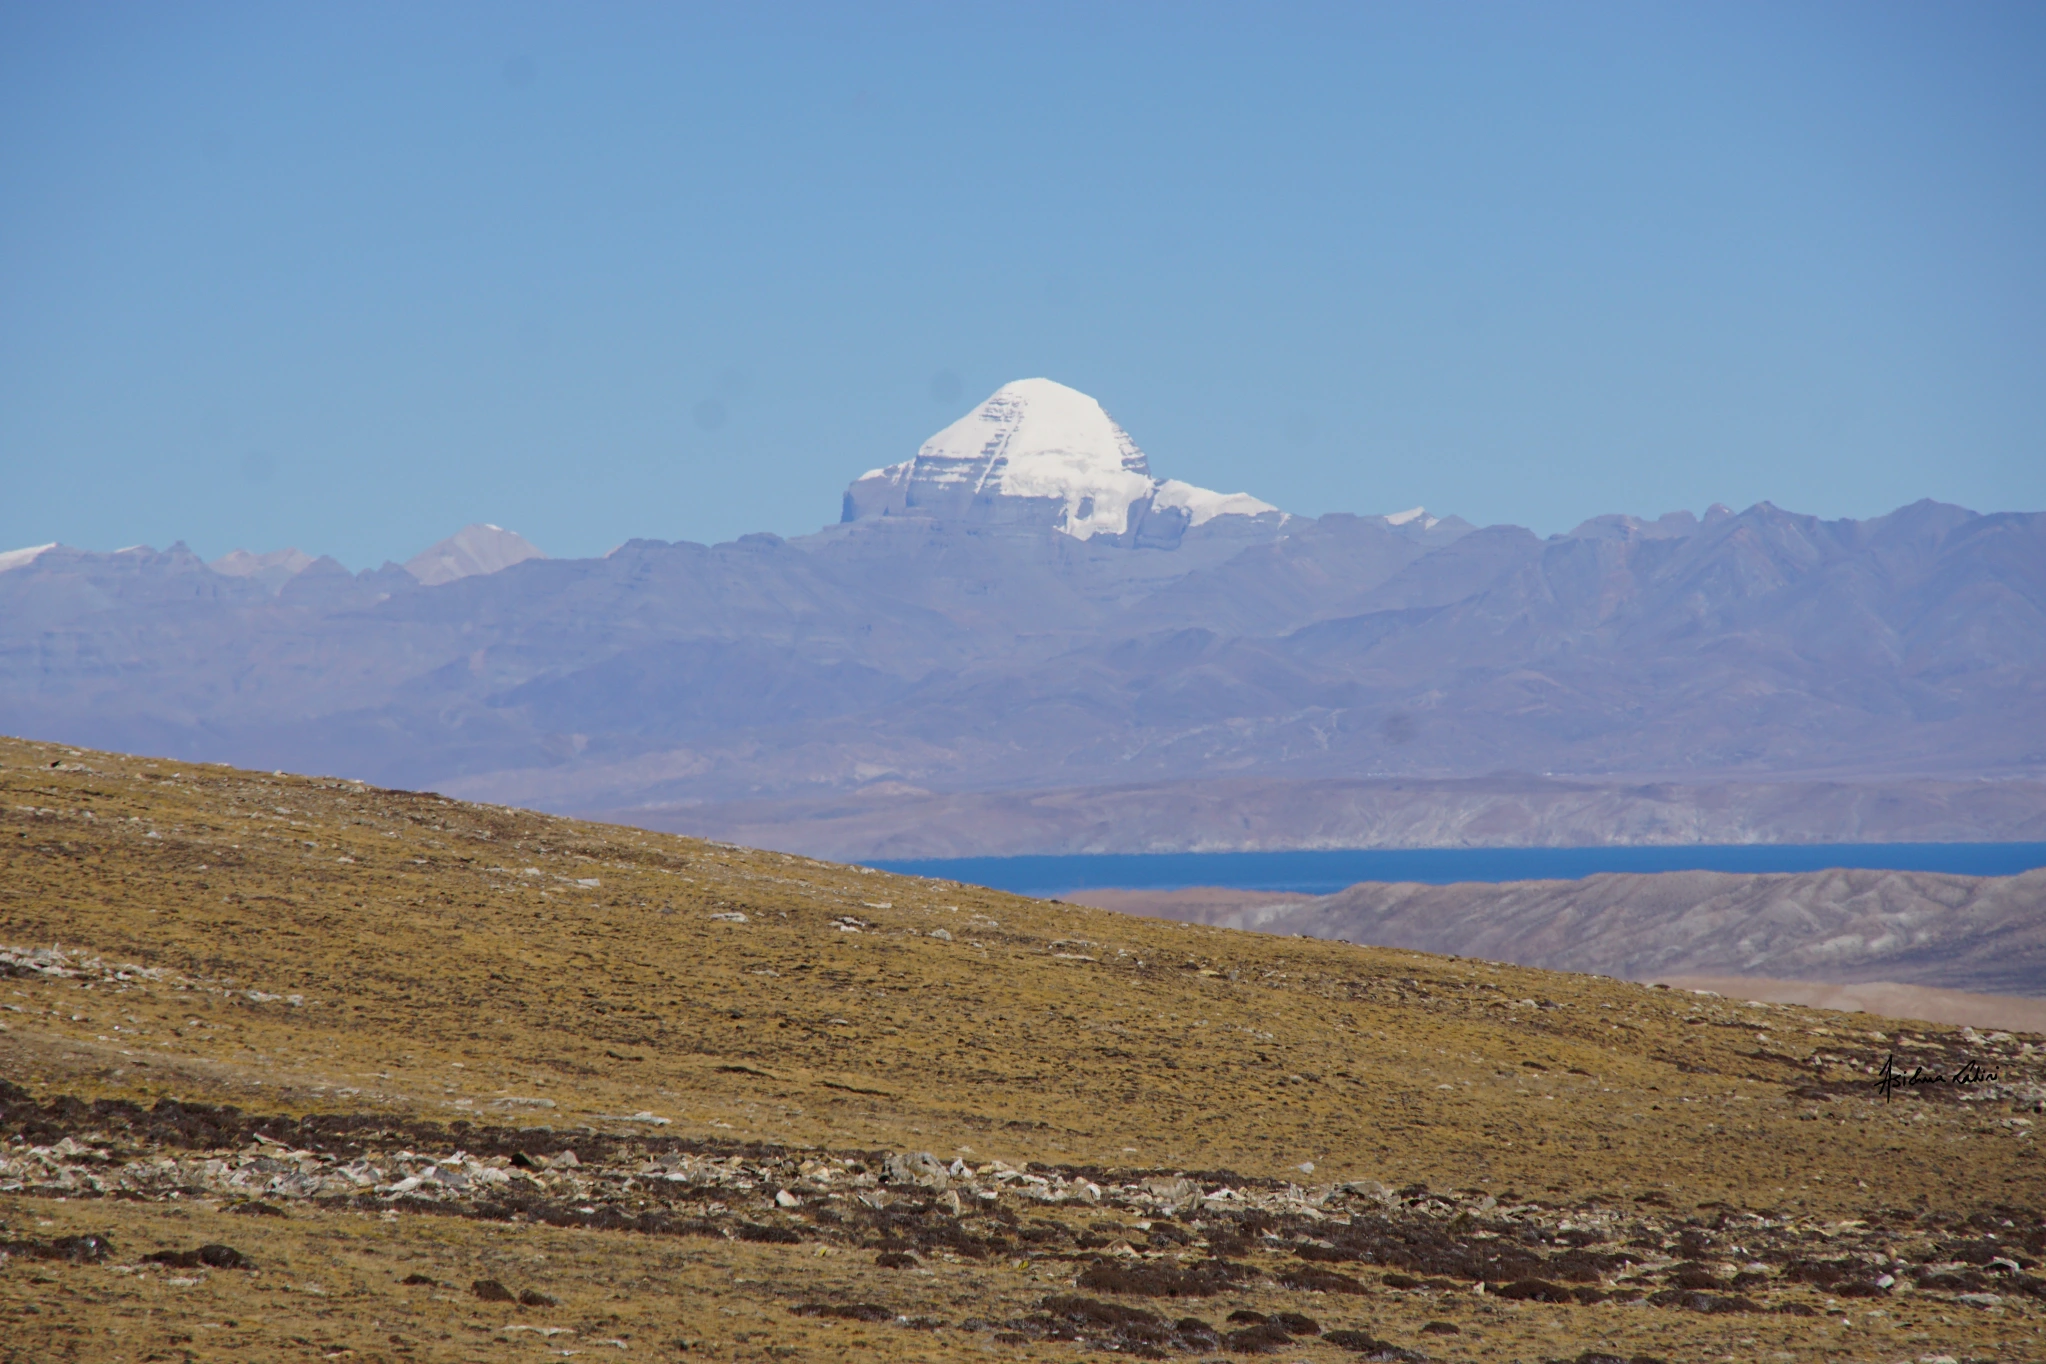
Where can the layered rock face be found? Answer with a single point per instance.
(1041, 454)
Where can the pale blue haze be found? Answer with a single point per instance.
(349, 276)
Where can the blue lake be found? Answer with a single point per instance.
(1319, 873)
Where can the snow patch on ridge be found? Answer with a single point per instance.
(1203, 505)
(22, 558)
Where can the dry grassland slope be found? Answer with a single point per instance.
(495, 1082)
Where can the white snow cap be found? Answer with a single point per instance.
(1412, 514)
(22, 558)
(470, 551)
(1040, 440)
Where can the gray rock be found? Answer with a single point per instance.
(1176, 1192)
(920, 1168)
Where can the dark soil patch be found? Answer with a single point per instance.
(1310, 1280)
(213, 1256)
(1265, 1338)
(1149, 1280)
(1693, 1301)
(851, 1311)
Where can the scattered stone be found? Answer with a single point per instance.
(420, 1281)
(490, 1290)
(78, 1250)
(530, 1298)
(1199, 1237)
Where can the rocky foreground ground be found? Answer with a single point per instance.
(1048, 1255)
(294, 1068)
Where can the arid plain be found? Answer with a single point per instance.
(300, 1068)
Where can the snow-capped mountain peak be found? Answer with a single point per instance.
(22, 558)
(472, 550)
(1035, 450)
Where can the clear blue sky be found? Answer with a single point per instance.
(348, 276)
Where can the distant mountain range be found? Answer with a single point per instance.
(1024, 614)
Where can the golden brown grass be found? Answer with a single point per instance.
(454, 961)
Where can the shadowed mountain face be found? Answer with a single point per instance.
(905, 658)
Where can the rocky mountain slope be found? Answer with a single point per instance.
(299, 1067)
(960, 638)
(1975, 933)
(1895, 999)
(471, 551)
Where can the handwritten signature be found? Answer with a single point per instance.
(1889, 1080)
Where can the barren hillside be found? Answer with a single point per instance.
(1977, 933)
(298, 1067)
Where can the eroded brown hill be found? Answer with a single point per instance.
(417, 1008)
(1977, 933)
